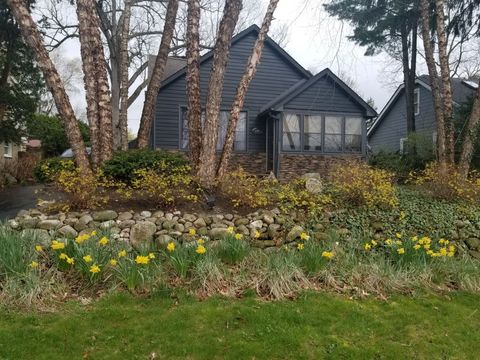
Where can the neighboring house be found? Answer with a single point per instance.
(291, 123)
(389, 131)
(9, 152)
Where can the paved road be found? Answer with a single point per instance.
(15, 198)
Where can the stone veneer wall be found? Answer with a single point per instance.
(253, 163)
(295, 165)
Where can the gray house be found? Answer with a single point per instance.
(389, 131)
(292, 122)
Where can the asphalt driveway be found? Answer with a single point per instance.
(15, 198)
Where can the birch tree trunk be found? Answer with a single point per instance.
(436, 92)
(33, 38)
(470, 136)
(446, 83)
(206, 168)
(124, 60)
(157, 73)
(242, 88)
(194, 112)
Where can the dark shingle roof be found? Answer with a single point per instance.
(461, 88)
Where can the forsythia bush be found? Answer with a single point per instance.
(48, 169)
(294, 196)
(361, 184)
(166, 186)
(449, 185)
(243, 189)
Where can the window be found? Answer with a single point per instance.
(240, 142)
(312, 129)
(353, 134)
(8, 150)
(291, 132)
(333, 133)
(416, 101)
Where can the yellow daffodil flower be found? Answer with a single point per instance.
(87, 258)
(300, 246)
(103, 241)
(200, 241)
(122, 253)
(70, 261)
(192, 232)
(257, 234)
(304, 236)
(327, 254)
(63, 256)
(230, 230)
(80, 239)
(38, 248)
(94, 269)
(388, 241)
(367, 246)
(200, 250)
(33, 264)
(417, 246)
(238, 236)
(57, 245)
(401, 251)
(113, 262)
(151, 256)
(398, 235)
(171, 246)
(142, 260)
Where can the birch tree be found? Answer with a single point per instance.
(242, 88)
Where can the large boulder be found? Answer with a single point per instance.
(142, 232)
(104, 215)
(49, 224)
(294, 233)
(314, 186)
(218, 233)
(67, 230)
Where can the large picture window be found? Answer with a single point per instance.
(322, 133)
(240, 143)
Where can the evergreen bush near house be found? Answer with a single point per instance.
(124, 164)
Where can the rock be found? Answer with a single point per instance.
(179, 227)
(107, 224)
(29, 223)
(67, 230)
(23, 213)
(229, 217)
(200, 223)
(474, 254)
(70, 221)
(242, 229)
(175, 234)
(257, 224)
(126, 224)
(40, 235)
(314, 186)
(189, 217)
(169, 216)
(104, 215)
(85, 219)
(79, 226)
(158, 214)
(217, 233)
(125, 216)
(168, 224)
(268, 218)
(162, 240)
(280, 220)
(48, 224)
(473, 243)
(343, 232)
(146, 214)
(312, 175)
(14, 224)
(273, 230)
(241, 221)
(142, 232)
(222, 226)
(294, 233)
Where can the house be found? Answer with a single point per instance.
(8, 153)
(389, 131)
(292, 122)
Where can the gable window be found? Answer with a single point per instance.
(312, 128)
(416, 101)
(291, 132)
(333, 133)
(8, 150)
(240, 142)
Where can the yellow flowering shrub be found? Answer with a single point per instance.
(294, 196)
(449, 185)
(166, 187)
(358, 183)
(243, 189)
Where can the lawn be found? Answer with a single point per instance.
(314, 326)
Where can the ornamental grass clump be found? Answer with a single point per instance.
(357, 183)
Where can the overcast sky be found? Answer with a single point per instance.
(316, 41)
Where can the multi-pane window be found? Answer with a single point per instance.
(240, 142)
(312, 129)
(322, 133)
(291, 132)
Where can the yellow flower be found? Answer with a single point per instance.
(122, 253)
(417, 246)
(38, 248)
(230, 230)
(367, 246)
(171, 246)
(94, 269)
(142, 260)
(443, 251)
(304, 236)
(80, 239)
(451, 248)
(402, 215)
(201, 250)
(192, 232)
(429, 252)
(414, 238)
(93, 233)
(70, 261)
(113, 262)
(327, 254)
(374, 243)
(398, 242)
(300, 246)
(87, 258)
(63, 256)
(426, 246)
(238, 236)
(257, 234)
(33, 264)
(103, 241)
(401, 251)
(151, 256)
(57, 245)
(398, 235)
(388, 241)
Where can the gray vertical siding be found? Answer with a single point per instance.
(273, 76)
(393, 127)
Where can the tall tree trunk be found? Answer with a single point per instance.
(446, 83)
(157, 73)
(115, 78)
(194, 112)
(409, 87)
(247, 77)
(436, 92)
(470, 136)
(99, 111)
(206, 169)
(124, 63)
(32, 37)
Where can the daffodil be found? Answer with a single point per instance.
(33, 264)
(192, 232)
(70, 261)
(398, 242)
(94, 269)
(171, 246)
(142, 260)
(38, 248)
(401, 251)
(63, 256)
(417, 246)
(80, 239)
(200, 241)
(374, 243)
(122, 253)
(257, 234)
(388, 241)
(304, 236)
(327, 254)
(93, 233)
(398, 235)
(87, 258)
(300, 246)
(414, 238)
(238, 236)
(57, 245)
(201, 249)
(443, 251)
(230, 230)
(151, 256)
(103, 241)
(367, 246)
(113, 262)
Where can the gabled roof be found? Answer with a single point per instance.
(278, 103)
(251, 29)
(461, 90)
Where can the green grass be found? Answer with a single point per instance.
(315, 326)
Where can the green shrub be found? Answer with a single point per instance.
(48, 169)
(124, 164)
